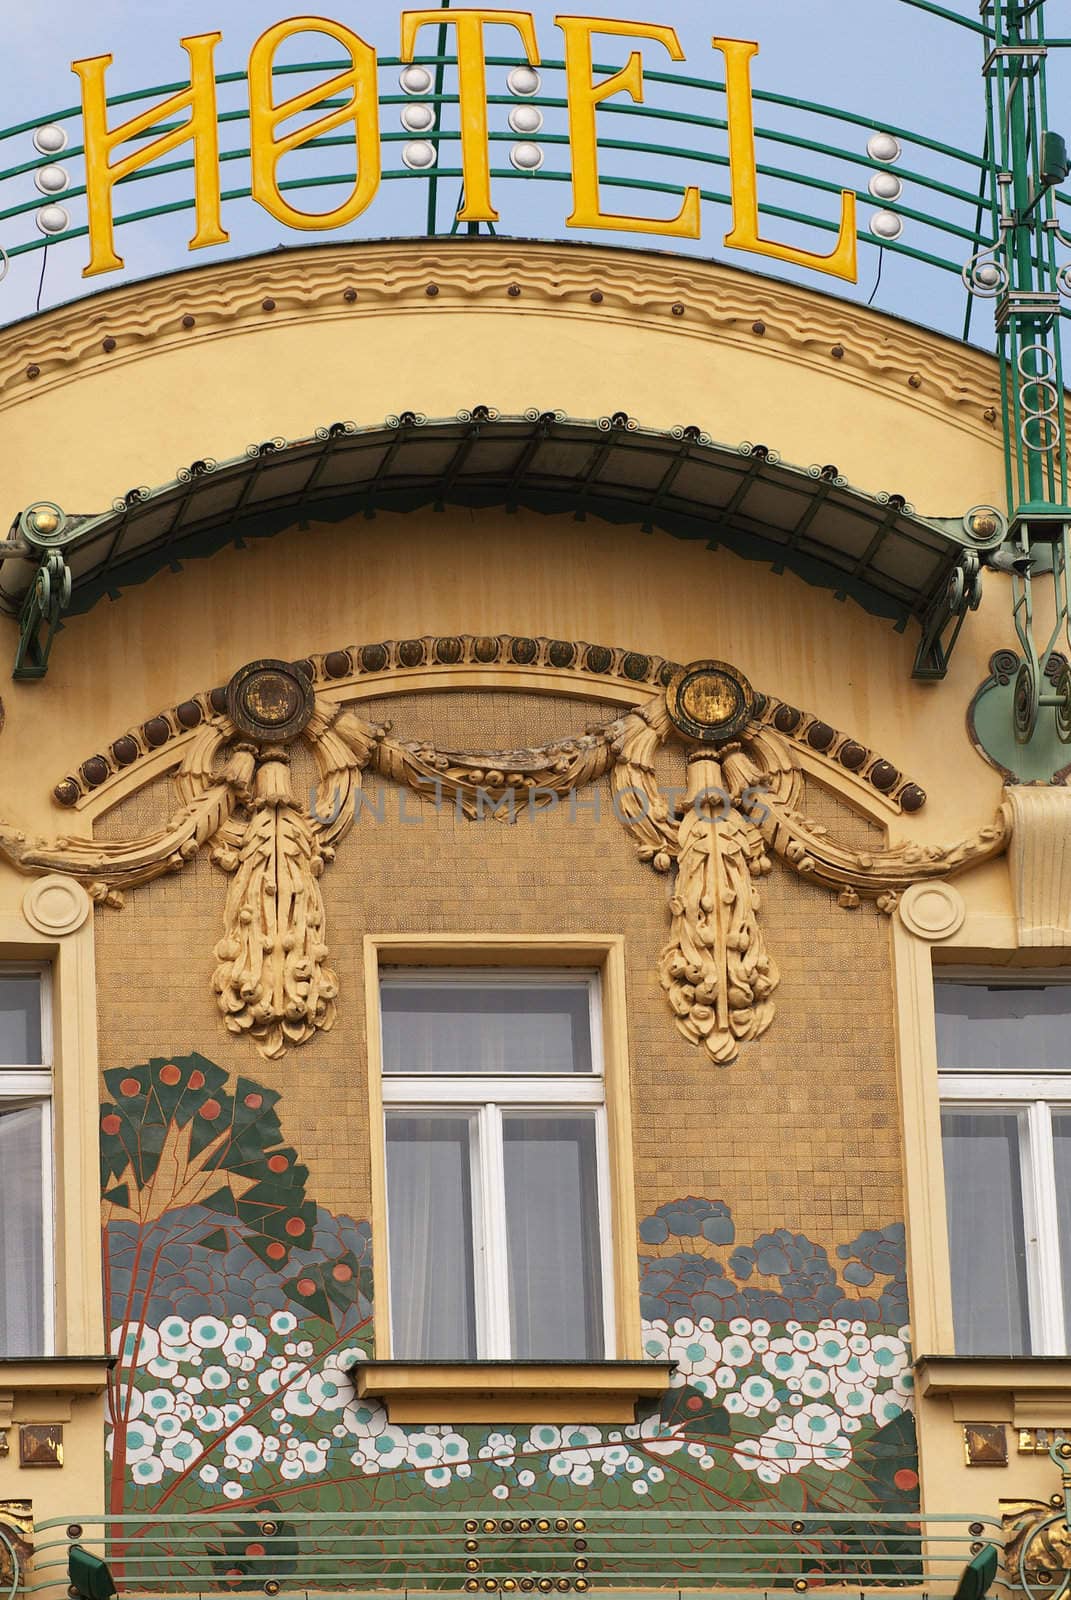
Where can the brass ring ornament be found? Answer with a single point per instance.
(270, 701)
(710, 701)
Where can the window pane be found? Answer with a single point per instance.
(489, 1027)
(20, 1020)
(982, 1029)
(552, 1225)
(429, 1208)
(22, 1226)
(986, 1233)
(1061, 1140)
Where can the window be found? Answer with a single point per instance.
(496, 1166)
(25, 1163)
(1005, 1077)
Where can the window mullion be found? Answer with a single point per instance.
(496, 1266)
(1048, 1320)
(48, 1200)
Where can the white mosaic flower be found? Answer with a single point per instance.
(151, 1470)
(245, 1342)
(737, 1351)
(756, 1391)
(282, 1322)
(814, 1383)
(140, 1441)
(695, 1353)
(181, 1451)
(831, 1349)
(783, 1360)
(655, 1341)
(425, 1450)
(208, 1333)
(613, 1459)
(455, 1448)
(816, 1424)
(135, 1347)
(208, 1473)
(886, 1357)
(887, 1407)
(247, 1442)
(544, 1437)
(853, 1399)
(365, 1419)
(329, 1390)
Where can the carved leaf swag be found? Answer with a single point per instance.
(740, 807)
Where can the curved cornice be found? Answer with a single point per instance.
(514, 661)
(693, 298)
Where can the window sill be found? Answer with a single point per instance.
(1026, 1391)
(66, 1374)
(512, 1391)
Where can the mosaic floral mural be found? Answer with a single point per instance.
(238, 1307)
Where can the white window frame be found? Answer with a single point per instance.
(24, 1087)
(1033, 1096)
(485, 1097)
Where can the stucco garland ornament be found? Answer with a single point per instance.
(739, 808)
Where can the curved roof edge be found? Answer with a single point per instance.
(874, 549)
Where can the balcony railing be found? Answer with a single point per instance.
(274, 1551)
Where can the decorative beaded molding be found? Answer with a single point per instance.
(692, 298)
(741, 807)
(510, 651)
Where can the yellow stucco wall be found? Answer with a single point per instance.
(275, 348)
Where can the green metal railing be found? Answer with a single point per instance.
(275, 1549)
(942, 204)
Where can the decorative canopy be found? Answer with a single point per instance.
(874, 549)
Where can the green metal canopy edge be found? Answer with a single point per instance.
(873, 549)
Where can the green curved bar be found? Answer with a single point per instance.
(711, 158)
(646, 184)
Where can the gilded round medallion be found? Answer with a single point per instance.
(710, 701)
(270, 701)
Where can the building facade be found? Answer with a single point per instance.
(534, 1033)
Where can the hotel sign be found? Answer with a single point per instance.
(116, 150)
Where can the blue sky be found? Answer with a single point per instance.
(884, 60)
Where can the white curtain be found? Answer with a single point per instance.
(987, 1029)
(429, 1206)
(22, 1322)
(986, 1233)
(552, 1225)
(20, 1021)
(496, 1028)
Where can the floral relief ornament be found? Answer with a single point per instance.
(740, 807)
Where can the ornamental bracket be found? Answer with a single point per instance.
(37, 537)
